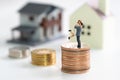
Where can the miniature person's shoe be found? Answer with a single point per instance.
(78, 46)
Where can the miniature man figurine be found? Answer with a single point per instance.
(78, 28)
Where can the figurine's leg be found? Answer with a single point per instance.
(78, 41)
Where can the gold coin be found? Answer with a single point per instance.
(43, 57)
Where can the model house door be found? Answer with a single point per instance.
(44, 25)
(59, 21)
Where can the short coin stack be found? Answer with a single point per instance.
(75, 60)
(19, 52)
(43, 57)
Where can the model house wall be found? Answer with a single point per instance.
(26, 19)
(31, 20)
(53, 27)
(55, 14)
(40, 31)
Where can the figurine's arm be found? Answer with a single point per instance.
(74, 26)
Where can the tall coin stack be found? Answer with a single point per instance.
(43, 57)
(75, 60)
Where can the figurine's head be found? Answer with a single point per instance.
(80, 22)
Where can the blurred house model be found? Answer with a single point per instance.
(98, 24)
(38, 23)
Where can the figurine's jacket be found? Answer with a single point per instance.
(78, 30)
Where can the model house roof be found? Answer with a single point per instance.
(98, 12)
(36, 8)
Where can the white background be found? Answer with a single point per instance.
(104, 63)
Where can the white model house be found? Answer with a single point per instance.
(98, 24)
(38, 23)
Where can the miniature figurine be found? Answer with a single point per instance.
(78, 28)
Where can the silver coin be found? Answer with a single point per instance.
(19, 52)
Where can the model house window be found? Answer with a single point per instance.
(89, 27)
(89, 30)
(83, 26)
(83, 32)
(88, 33)
(32, 32)
(86, 30)
(31, 18)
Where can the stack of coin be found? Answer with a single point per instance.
(43, 57)
(75, 60)
(19, 52)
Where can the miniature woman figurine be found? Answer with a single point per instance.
(78, 28)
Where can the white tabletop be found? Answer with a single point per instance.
(104, 63)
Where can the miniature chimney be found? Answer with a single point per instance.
(103, 5)
(93, 3)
